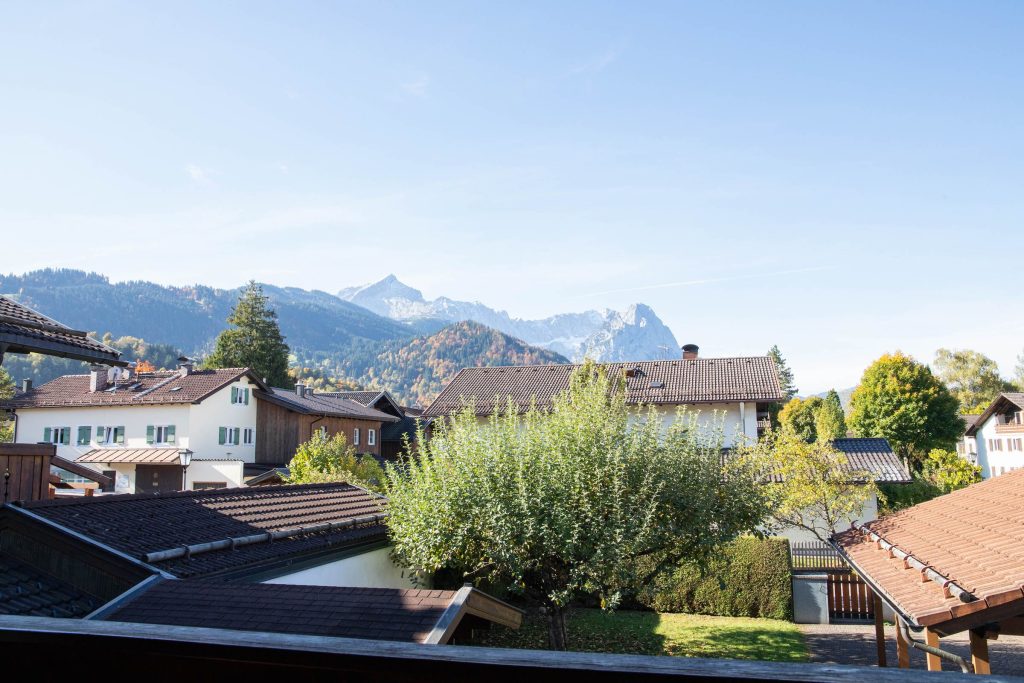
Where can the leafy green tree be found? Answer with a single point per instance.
(814, 487)
(943, 472)
(829, 421)
(798, 417)
(255, 341)
(901, 400)
(786, 383)
(972, 377)
(6, 391)
(584, 499)
(324, 458)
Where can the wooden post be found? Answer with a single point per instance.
(902, 647)
(934, 662)
(979, 653)
(879, 631)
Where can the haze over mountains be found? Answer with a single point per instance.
(413, 349)
(634, 334)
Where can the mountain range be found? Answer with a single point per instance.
(633, 334)
(412, 349)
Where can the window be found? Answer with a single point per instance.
(248, 436)
(204, 485)
(355, 436)
(84, 436)
(228, 436)
(240, 395)
(60, 436)
(371, 437)
(160, 434)
(106, 436)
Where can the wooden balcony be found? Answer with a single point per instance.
(1010, 428)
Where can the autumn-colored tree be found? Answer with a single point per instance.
(6, 391)
(972, 377)
(829, 421)
(901, 400)
(798, 417)
(144, 366)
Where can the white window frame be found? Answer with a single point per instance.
(231, 436)
(355, 436)
(237, 395)
(160, 435)
(371, 437)
(248, 436)
(57, 432)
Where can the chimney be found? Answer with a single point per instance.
(300, 390)
(97, 378)
(26, 385)
(308, 392)
(690, 351)
(185, 366)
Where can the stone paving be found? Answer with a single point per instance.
(855, 644)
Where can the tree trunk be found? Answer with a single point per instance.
(556, 627)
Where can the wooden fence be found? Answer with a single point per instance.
(25, 471)
(849, 598)
(815, 556)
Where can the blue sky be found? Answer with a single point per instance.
(841, 179)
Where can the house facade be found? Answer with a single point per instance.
(393, 434)
(735, 392)
(133, 426)
(286, 418)
(998, 435)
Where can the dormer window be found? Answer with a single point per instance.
(240, 396)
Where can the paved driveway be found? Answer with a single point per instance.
(840, 644)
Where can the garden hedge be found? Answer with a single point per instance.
(749, 578)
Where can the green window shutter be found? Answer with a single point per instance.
(47, 434)
(246, 397)
(65, 435)
(237, 440)
(222, 439)
(150, 430)
(118, 434)
(234, 394)
(170, 433)
(84, 436)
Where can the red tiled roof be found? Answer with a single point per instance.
(143, 524)
(144, 388)
(973, 537)
(377, 613)
(24, 330)
(672, 382)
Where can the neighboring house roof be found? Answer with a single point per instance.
(144, 388)
(326, 404)
(248, 527)
(367, 398)
(875, 456)
(275, 475)
(23, 330)
(396, 430)
(82, 471)
(1001, 402)
(969, 420)
(951, 563)
(147, 456)
(27, 591)
(688, 381)
(376, 613)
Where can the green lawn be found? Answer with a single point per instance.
(652, 633)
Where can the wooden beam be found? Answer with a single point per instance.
(879, 630)
(933, 661)
(902, 647)
(1013, 626)
(979, 653)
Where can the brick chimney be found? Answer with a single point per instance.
(690, 351)
(97, 378)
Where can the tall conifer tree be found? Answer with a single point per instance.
(255, 341)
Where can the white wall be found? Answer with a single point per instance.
(372, 569)
(738, 420)
(227, 471)
(996, 462)
(869, 513)
(216, 411)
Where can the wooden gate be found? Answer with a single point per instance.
(849, 598)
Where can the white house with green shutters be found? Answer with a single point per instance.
(134, 426)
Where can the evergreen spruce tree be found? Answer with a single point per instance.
(255, 341)
(786, 382)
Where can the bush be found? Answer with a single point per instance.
(323, 459)
(749, 578)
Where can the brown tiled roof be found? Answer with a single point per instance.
(26, 591)
(875, 456)
(672, 382)
(24, 330)
(144, 388)
(377, 613)
(973, 537)
(142, 524)
(326, 404)
(1002, 401)
(150, 456)
(367, 398)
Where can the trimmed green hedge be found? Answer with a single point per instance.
(750, 578)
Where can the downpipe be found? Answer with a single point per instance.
(925, 647)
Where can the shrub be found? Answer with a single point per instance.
(749, 578)
(323, 459)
